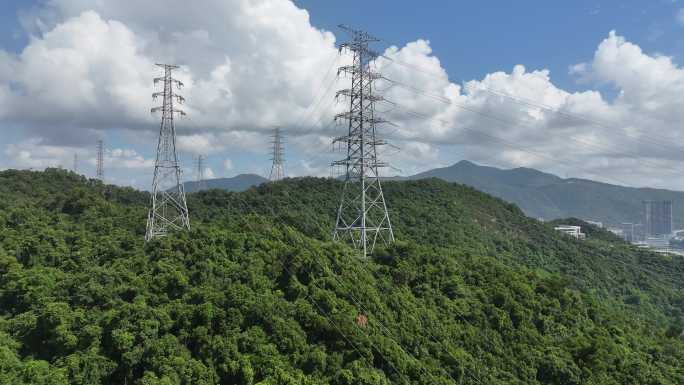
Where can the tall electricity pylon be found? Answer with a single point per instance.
(199, 170)
(278, 168)
(75, 169)
(169, 210)
(100, 160)
(362, 217)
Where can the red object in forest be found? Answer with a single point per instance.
(361, 320)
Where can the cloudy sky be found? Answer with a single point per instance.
(589, 89)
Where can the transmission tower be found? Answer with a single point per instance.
(199, 171)
(100, 160)
(277, 169)
(169, 210)
(362, 217)
(75, 169)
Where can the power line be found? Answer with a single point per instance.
(327, 316)
(320, 96)
(468, 371)
(572, 116)
(386, 331)
(510, 144)
(530, 103)
(598, 146)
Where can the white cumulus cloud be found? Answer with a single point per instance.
(251, 65)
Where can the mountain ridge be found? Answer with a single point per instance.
(240, 182)
(547, 196)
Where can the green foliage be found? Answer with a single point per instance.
(256, 293)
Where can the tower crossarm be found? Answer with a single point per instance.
(367, 96)
(173, 81)
(162, 109)
(352, 70)
(348, 162)
(352, 116)
(354, 139)
(180, 99)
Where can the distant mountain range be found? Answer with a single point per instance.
(538, 194)
(237, 183)
(547, 196)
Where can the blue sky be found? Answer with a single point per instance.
(474, 38)
(470, 39)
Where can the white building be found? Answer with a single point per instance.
(573, 231)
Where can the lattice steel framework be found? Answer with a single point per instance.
(362, 216)
(278, 156)
(169, 209)
(100, 160)
(199, 171)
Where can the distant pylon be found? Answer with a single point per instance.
(100, 160)
(362, 216)
(278, 158)
(199, 171)
(75, 169)
(169, 210)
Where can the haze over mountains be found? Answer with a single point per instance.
(538, 194)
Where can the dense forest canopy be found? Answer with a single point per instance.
(473, 292)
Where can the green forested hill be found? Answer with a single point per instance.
(473, 293)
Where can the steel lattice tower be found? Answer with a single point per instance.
(201, 183)
(278, 168)
(75, 163)
(100, 160)
(362, 217)
(169, 210)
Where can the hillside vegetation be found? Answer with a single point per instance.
(473, 293)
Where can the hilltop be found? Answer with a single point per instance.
(474, 292)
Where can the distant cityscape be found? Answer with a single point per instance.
(655, 231)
